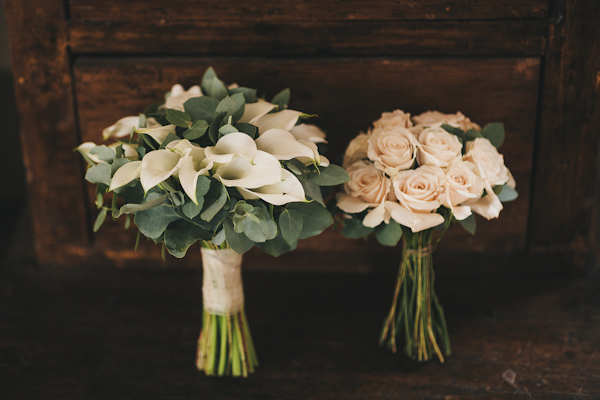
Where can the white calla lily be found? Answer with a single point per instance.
(416, 221)
(192, 166)
(184, 146)
(284, 146)
(263, 170)
(157, 166)
(85, 148)
(179, 95)
(158, 133)
(285, 120)
(122, 128)
(126, 174)
(288, 190)
(253, 111)
(311, 133)
(230, 146)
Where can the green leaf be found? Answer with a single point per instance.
(469, 224)
(191, 209)
(276, 246)
(104, 153)
(312, 190)
(455, 131)
(227, 129)
(472, 134)
(290, 224)
(237, 241)
(201, 108)
(118, 163)
(249, 94)
(197, 130)
(315, 218)
(179, 118)
(331, 175)
(241, 102)
(507, 194)
(230, 105)
(388, 234)
(208, 76)
(255, 227)
(354, 228)
(215, 200)
(494, 132)
(100, 219)
(282, 99)
(271, 225)
(180, 235)
(248, 129)
(99, 173)
(217, 89)
(153, 222)
(213, 130)
(132, 208)
(170, 137)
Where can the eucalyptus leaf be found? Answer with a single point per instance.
(100, 219)
(99, 173)
(132, 208)
(388, 234)
(472, 134)
(213, 130)
(354, 228)
(507, 194)
(153, 222)
(227, 129)
(249, 94)
(312, 190)
(215, 200)
(255, 227)
(494, 132)
(282, 99)
(237, 241)
(315, 218)
(170, 137)
(179, 118)
(197, 130)
(331, 175)
(455, 131)
(201, 108)
(248, 129)
(180, 235)
(290, 224)
(216, 88)
(207, 78)
(276, 246)
(104, 153)
(118, 163)
(469, 224)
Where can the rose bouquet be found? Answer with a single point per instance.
(409, 178)
(214, 164)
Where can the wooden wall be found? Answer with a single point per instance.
(82, 64)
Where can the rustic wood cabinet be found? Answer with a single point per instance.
(80, 65)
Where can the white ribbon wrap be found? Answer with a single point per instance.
(222, 290)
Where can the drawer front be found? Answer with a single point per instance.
(347, 95)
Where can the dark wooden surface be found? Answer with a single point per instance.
(86, 333)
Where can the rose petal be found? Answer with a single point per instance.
(350, 204)
(489, 206)
(415, 221)
(375, 216)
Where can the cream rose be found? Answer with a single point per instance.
(489, 163)
(395, 119)
(462, 188)
(392, 150)
(420, 193)
(357, 150)
(368, 187)
(436, 118)
(437, 147)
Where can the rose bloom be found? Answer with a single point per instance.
(489, 162)
(420, 193)
(395, 119)
(357, 149)
(462, 188)
(392, 150)
(367, 187)
(438, 147)
(436, 118)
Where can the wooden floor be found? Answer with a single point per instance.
(529, 332)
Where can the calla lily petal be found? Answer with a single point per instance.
(288, 190)
(283, 145)
(189, 171)
(184, 146)
(415, 221)
(85, 148)
(285, 120)
(308, 132)
(126, 174)
(241, 172)
(122, 128)
(253, 111)
(179, 95)
(158, 133)
(157, 166)
(230, 146)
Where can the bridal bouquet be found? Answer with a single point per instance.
(408, 178)
(214, 164)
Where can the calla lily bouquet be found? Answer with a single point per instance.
(409, 176)
(215, 164)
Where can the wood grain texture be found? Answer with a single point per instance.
(568, 139)
(218, 37)
(306, 10)
(42, 75)
(126, 334)
(347, 95)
